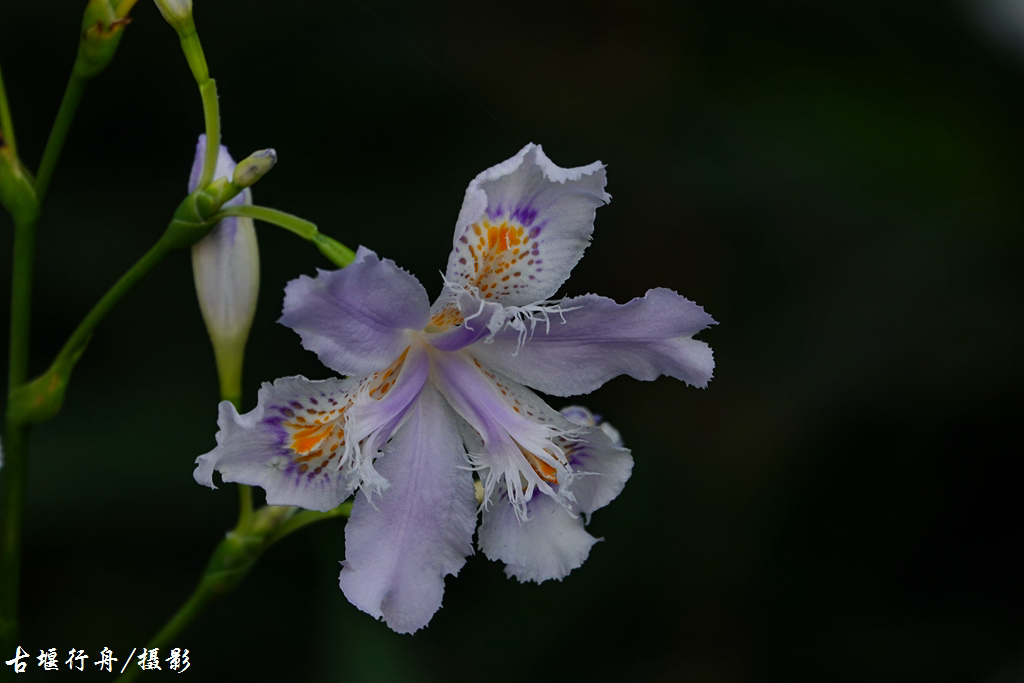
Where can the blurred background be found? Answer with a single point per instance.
(838, 182)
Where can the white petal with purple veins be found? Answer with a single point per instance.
(399, 547)
(523, 226)
(311, 443)
(290, 444)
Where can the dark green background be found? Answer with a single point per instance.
(838, 182)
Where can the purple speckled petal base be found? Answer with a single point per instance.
(523, 226)
(258, 448)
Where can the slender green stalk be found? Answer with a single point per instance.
(211, 116)
(229, 372)
(182, 618)
(244, 507)
(78, 340)
(211, 585)
(21, 303)
(16, 442)
(338, 253)
(193, 50)
(59, 133)
(231, 562)
(241, 548)
(300, 226)
(13, 492)
(15, 465)
(306, 517)
(6, 123)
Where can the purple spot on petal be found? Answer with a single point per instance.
(314, 401)
(496, 212)
(297, 405)
(525, 214)
(534, 231)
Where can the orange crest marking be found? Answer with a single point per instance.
(496, 251)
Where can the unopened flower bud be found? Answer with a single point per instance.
(177, 13)
(254, 167)
(225, 264)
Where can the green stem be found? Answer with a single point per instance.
(211, 116)
(6, 123)
(12, 487)
(193, 50)
(182, 618)
(15, 465)
(76, 343)
(229, 372)
(41, 399)
(21, 303)
(338, 253)
(305, 518)
(13, 492)
(244, 507)
(231, 561)
(59, 133)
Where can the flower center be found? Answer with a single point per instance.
(448, 317)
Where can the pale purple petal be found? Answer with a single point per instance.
(551, 541)
(600, 339)
(523, 226)
(380, 403)
(549, 544)
(517, 428)
(600, 469)
(357, 320)
(400, 547)
(279, 446)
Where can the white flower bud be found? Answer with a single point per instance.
(225, 264)
(176, 12)
(226, 268)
